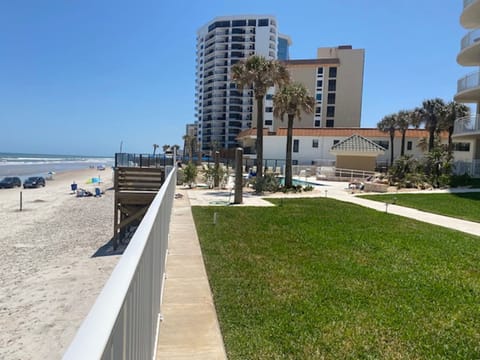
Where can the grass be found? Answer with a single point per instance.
(460, 205)
(321, 279)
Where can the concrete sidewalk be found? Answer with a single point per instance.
(465, 226)
(189, 329)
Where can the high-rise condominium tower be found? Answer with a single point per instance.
(222, 111)
(467, 129)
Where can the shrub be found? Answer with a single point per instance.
(189, 174)
(461, 180)
(268, 183)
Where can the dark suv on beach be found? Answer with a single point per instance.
(34, 182)
(10, 182)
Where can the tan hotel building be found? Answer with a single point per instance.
(335, 80)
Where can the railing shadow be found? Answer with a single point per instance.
(108, 249)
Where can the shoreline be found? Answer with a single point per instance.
(25, 170)
(49, 274)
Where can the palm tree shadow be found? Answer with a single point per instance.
(108, 250)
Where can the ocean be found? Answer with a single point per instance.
(24, 165)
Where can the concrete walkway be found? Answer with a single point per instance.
(465, 226)
(189, 329)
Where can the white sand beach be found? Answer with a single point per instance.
(48, 277)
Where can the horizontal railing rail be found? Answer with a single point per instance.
(123, 322)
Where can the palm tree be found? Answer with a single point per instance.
(431, 114)
(291, 100)
(389, 124)
(403, 119)
(454, 111)
(155, 147)
(189, 145)
(165, 148)
(260, 74)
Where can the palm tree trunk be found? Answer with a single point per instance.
(392, 137)
(288, 155)
(259, 142)
(402, 150)
(450, 141)
(431, 138)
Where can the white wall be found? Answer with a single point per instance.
(274, 148)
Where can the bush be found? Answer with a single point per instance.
(211, 172)
(308, 188)
(461, 180)
(268, 183)
(189, 174)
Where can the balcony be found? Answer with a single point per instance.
(468, 89)
(470, 17)
(470, 49)
(468, 126)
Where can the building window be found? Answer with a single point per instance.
(294, 162)
(319, 83)
(318, 110)
(296, 145)
(320, 71)
(319, 97)
(239, 23)
(409, 145)
(331, 111)
(317, 123)
(329, 123)
(332, 72)
(332, 85)
(268, 122)
(268, 109)
(315, 143)
(263, 22)
(252, 22)
(331, 98)
(268, 97)
(461, 146)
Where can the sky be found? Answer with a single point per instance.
(83, 77)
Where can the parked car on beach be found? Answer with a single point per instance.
(34, 182)
(10, 182)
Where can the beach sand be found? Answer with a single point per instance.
(48, 277)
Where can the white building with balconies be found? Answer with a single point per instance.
(467, 129)
(222, 110)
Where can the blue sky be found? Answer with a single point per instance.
(79, 77)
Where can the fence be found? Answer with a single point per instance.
(143, 160)
(124, 319)
(471, 168)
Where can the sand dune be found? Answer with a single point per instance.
(48, 277)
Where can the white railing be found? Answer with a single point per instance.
(470, 81)
(123, 322)
(471, 38)
(471, 168)
(467, 124)
(334, 173)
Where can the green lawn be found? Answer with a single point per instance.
(462, 205)
(321, 279)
